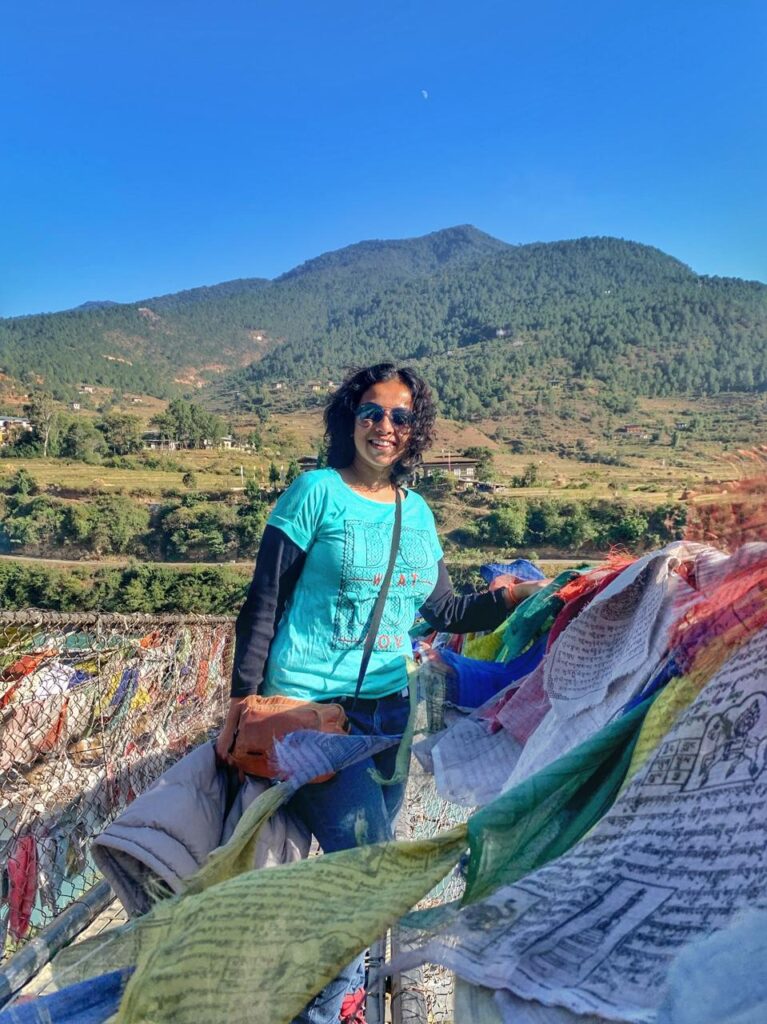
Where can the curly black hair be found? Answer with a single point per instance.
(342, 405)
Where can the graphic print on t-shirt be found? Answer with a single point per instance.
(365, 558)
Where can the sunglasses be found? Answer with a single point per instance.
(372, 412)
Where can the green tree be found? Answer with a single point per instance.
(251, 397)
(22, 482)
(251, 520)
(274, 475)
(122, 433)
(42, 413)
(545, 521)
(81, 440)
(437, 485)
(112, 524)
(292, 473)
(201, 530)
(530, 475)
(35, 525)
(252, 490)
(575, 528)
(506, 525)
(189, 425)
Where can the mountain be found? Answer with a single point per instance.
(481, 317)
(97, 304)
(399, 259)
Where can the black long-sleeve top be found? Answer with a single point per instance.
(278, 566)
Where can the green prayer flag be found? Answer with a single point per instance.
(542, 817)
(533, 617)
(265, 942)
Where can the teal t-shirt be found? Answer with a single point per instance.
(317, 648)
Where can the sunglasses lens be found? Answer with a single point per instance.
(370, 412)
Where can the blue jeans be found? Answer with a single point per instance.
(351, 809)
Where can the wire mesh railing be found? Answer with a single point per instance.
(426, 993)
(93, 708)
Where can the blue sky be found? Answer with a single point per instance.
(148, 147)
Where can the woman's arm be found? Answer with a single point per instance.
(278, 566)
(449, 612)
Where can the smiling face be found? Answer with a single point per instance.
(377, 446)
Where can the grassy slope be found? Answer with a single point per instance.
(650, 472)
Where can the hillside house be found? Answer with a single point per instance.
(156, 442)
(636, 430)
(11, 427)
(461, 468)
(227, 441)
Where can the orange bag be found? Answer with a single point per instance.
(266, 719)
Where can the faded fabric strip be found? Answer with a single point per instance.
(475, 682)
(304, 755)
(523, 713)
(520, 567)
(89, 1002)
(270, 940)
(545, 815)
(526, 623)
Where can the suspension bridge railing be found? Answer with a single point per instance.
(93, 708)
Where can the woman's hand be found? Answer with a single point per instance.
(516, 590)
(226, 736)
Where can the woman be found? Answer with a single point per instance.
(323, 555)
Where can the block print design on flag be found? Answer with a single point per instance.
(275, 970)
(677, 858)
(605, 657)
(709, 633)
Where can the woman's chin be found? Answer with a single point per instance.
(379, 457)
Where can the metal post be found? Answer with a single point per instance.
(408, 999)
(375, 999)
(39, 951)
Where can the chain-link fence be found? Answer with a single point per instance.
(426, 993)
(93, 708)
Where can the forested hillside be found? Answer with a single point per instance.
(480, 316)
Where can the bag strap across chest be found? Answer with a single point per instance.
(378, 607)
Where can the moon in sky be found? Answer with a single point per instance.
(425, 94)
